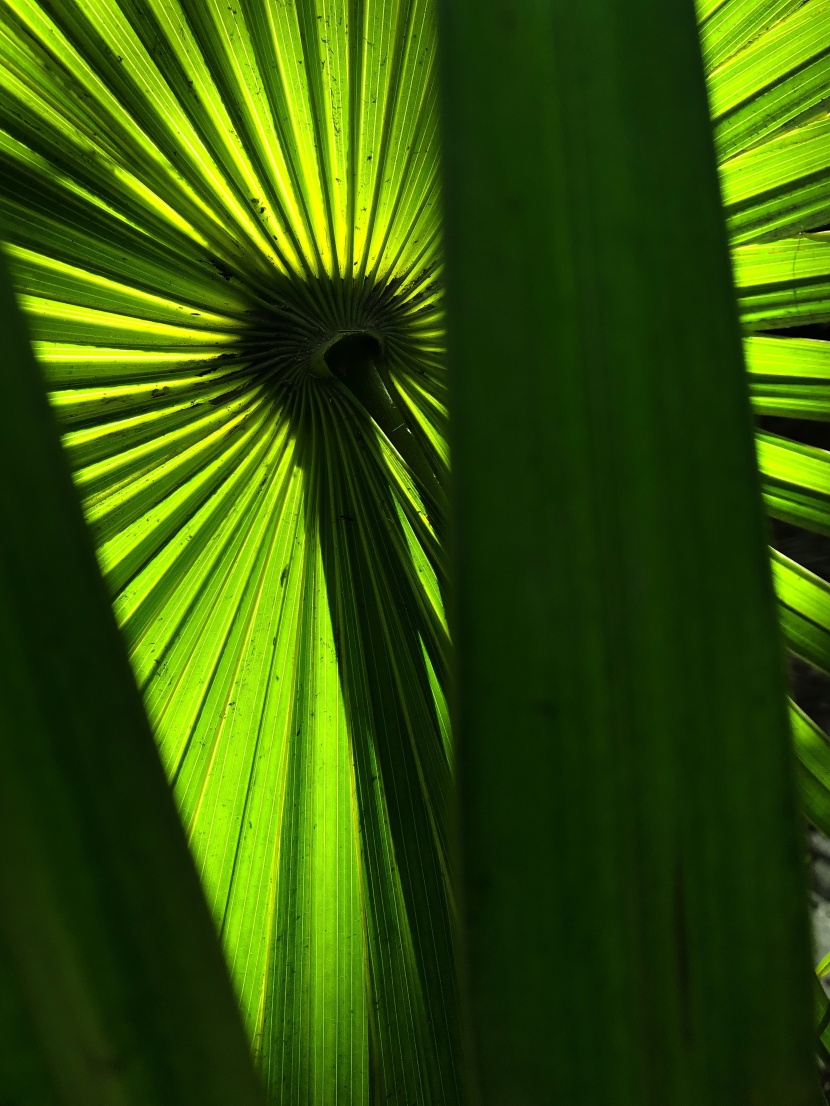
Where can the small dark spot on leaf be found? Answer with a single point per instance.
(222, 269)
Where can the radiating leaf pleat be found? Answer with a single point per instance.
(728, 25)
(781, 186)
(773, 79)
(789, 376)
(795, 481)
(804, 610)
(784, 283)
(812, 748)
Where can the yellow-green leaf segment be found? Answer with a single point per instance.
(223, 222)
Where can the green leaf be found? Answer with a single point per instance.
(114, 987)
(627, 800)
(781, 186)
(212, 210)
(789, 377)
(775, 76)
(796, 481)
(804, 610)
(726, 26)
(813, 751)
(782, 284)
(202, 200)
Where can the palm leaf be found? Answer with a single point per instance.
(114, 988)
(223, 223)
(624, 767)
(200, 202)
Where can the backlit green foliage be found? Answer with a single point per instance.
(199, 198)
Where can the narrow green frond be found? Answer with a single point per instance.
(114, 988)
(625, 777)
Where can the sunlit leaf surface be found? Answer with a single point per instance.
(223, 222)
(769, 74)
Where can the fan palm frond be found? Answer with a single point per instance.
(223, 223)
